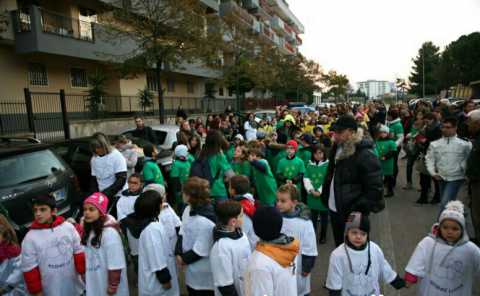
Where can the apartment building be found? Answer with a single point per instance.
(375, 88)
(53, 45)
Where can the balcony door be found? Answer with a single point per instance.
(86, 19)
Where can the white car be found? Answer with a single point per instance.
(263, 114)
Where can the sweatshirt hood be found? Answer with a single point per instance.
(220, 232)
(283, 250)
(395, 121)
(57, 220)
(134, 224)
(206, 211)
(435, 234)
(127, 192)
(8, 251)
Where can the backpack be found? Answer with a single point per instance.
(201, 168)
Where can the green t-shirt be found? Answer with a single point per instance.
(276, 159)
(396, 128)
(265, 184)
(230, 153)
(316, 174)
(242, 168)
(305, 154)
(384, 147)
(152, 173)
(218, 166)
(180, 169)
(291, 168)
(190, 158)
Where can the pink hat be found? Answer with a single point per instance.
(98, 200)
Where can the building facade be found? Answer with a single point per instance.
(53, 45)
(375, 88)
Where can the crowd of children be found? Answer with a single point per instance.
(242, 219)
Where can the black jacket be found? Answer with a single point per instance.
(146, 133)
(358, 178)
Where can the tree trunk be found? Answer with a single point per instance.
(161, 107)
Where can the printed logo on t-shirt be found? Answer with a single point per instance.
(94, 262)
(58, 252)
(450, 273)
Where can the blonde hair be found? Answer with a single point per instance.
(7, 231)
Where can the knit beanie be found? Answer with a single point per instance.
(454, 210)
(98, 200)
(181, 151)
(267, 223)
(357, 220)
(156, 187)
(293, 144)
(384, 129)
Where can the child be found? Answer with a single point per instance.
(238, 140)
(290, 169)
(230, 251)
(240, 164)
(445, 262)
(11, 281)
(313, 180)
(297, 223)
(271, 267)
(386, 149)
(305, 150)
(357, 265)
(196, 237)
(168, 217)
(265, 184)
(151, 171)
(239, 191)
(52, 256)
(128, 197)
(179, 174)
(105, 258)
(156, 263)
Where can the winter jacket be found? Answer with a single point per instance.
(357, 175)
(447, 158)
(473, 169)
(128, 151)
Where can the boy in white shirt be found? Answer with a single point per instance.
(271, 267)
(230, 251)
(239, 191)
(357, 265)
(126, 201)
(298, 224)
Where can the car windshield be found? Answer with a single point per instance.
(160, 137)
(28, 167)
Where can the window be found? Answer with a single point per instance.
(190, 87)
(230, 92)
(170, 85)
(220, 91)
(37, 74)
(152, 81)
(78, 77)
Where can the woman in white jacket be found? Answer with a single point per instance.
(250, 127)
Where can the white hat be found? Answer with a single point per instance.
(453, 211)
(384, 129)
(181, 151)
(474, 115)
(156, 187)
(239, 137)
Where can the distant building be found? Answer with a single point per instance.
(375, 88)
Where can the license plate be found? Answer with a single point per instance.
(59, 195)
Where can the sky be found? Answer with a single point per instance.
(377, 39)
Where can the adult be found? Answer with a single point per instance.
(108, 169)
(128, 150)
(473, 169)
(181, 114)
(220, 168)
(468, 106)
(185, 133)
(397, 134)
(446, 161)
(250, 127)
(354, 177)
(144, 132)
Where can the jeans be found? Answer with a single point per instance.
(323, 222)
(448, 191)
(410, 162)
(395, 167)
(338, 227)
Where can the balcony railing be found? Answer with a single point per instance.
(65, 26)
(22, 21)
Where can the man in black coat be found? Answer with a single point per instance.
(144, 132)
(354, 179)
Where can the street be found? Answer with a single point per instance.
(397, 230)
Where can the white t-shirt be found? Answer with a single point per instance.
(154, 255)
(109, 256)
(247, 229)
(52, 251)
(452, 271)
(125, 205)
(250, 132)
(170, 222)
(340, 277)
(132, 243)
(197, 233)
(229, 259)
(302, 230)
(105, 167)
(265, 276)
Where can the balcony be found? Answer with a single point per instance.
(290, 33)
(290, 49)
(278, 25)
(282, 9)
(212, 4)
(43, 31)
(251, 4)
(231, 7)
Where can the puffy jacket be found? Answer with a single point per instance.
(358, 177)
(447, 158)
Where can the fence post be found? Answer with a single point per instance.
(28, 105)
(66, 124)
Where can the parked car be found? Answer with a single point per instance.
(304, 109)
(263, 114)
(28, 169)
